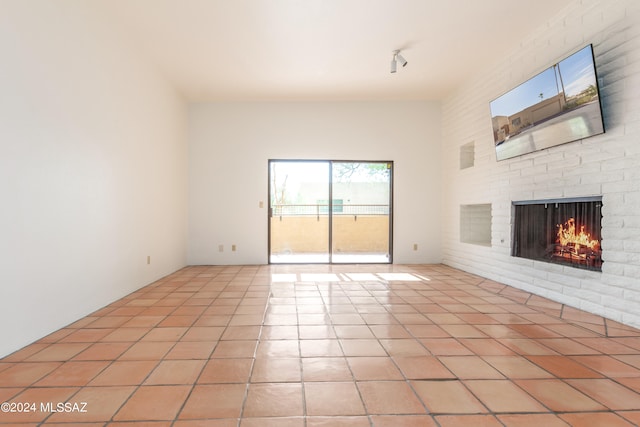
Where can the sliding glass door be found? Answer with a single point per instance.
(298, 211)
(361, 226)
(330, 211)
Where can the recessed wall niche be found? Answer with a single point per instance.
(467, 155)
(475, 224)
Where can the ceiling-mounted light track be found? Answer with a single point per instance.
(397, 57)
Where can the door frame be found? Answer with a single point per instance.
(330, 205)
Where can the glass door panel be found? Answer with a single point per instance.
(361, 212)
(330, 211)
(299, 211)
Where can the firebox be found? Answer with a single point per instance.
(564, 231)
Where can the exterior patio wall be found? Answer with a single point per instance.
(308, 234)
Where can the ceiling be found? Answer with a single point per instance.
(325, 49)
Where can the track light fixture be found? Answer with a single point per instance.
(397, 58)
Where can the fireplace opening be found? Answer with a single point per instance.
(564, 232)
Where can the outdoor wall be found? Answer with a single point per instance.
(306, 234)
(230, 145)
(92, 168)
(607, 165)
(299, 235)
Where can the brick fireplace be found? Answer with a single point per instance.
(606, 165)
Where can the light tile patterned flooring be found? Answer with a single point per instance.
(334, 346)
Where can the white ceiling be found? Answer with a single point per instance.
(325, 49)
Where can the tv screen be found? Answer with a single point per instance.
(559, 105)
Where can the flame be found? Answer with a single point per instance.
(567, 235)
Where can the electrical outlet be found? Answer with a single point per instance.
(220, 248)
(261, 204)
(148, 259)
(233, 248)
(415, 246)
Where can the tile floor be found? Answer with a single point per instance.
(334, 346)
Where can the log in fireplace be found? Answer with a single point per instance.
(564, 231)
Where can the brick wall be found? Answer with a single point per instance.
(607, 165)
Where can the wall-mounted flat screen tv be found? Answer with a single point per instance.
(559, 105)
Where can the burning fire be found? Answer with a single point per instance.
(567, 235)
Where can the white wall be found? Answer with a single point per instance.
(230, 145)
(93, 165)
(605, 165)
